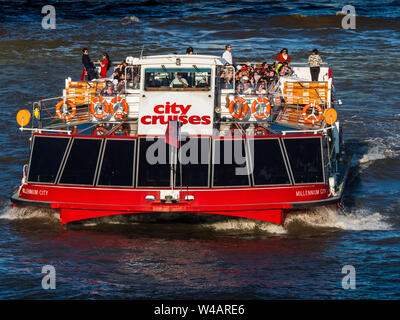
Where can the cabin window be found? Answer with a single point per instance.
(172, 79)
(46, 158)
(81, 164)
(305, 159)
(193, 162)
(229, 163)
(118, 163)
(269, 165)
(153, 163)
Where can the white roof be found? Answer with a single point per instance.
(170, 59)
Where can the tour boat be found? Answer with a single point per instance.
(179, 137)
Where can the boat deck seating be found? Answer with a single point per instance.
(82, 92)
(306, 92)
(292, 115)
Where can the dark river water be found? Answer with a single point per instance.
(225, 259)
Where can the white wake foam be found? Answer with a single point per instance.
(380, 148)
(321, 217)
(327, 217)
(246, 225)
(9, 213)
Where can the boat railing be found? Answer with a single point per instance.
(315, 131)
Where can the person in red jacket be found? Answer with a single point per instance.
(105, 65)
(282, 57)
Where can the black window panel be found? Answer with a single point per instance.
(153, 174)
(225, 168)
(80, 166)
(269, 166)
(46, 159)
(305, 159)
(117, 165)
(194, 173)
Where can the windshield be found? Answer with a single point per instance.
(172, 79)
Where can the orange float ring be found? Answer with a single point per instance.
(119, 115)
(254, 105)
(242, 113)
(99, 113)
(65, 115)
(307, 117)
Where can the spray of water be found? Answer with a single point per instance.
(316, 218)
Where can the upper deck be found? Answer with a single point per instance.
(205, 95)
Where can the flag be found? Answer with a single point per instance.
(172, 133)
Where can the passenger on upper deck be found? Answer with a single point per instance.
(108, 90)
(179, 82)
(283, 56)
(88, 65)
(227, 55)
(105, 65)
(314, 60)
(261, 88)
(120, 87)
(189, 50)
(119, 71)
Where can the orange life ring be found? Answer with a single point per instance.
(119, 114)
(306, 116)
(65, 115)
(254, 105)
(97, 112)
(242, 113)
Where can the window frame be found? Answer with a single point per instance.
(61, 163)
(97, 163)
(138, 165)
(247, 164)
(208, 166)
(322, 159)
(167, 69)
(100, 164)
(284, 161)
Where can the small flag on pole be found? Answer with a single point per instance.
(172, 133)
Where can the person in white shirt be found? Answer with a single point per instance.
(228, 55)
(179, 81)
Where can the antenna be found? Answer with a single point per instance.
(141, 53)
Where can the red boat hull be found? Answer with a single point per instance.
(261, 203)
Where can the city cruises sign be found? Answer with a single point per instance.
(193, 109)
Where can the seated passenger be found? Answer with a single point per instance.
(119, 71)
(179, 82)
(108, 90)
(261, 88)
(239, 88)
(120, 87)
(135, 82)
(247, 88)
